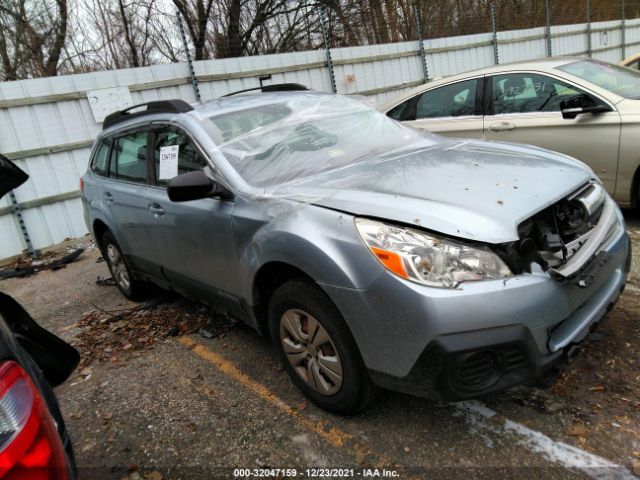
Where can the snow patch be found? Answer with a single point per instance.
(478, 415)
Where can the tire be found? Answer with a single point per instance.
(121, 271)
(323, 360)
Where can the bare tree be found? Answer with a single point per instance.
(234, 28)
(197, 14)
(123, 32)
(49, 37)
(32, 37)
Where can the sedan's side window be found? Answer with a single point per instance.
(454, 100)
(188, 157)
(397, 112)
(129, 157)
(529, 92)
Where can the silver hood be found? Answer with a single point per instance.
(470, 189)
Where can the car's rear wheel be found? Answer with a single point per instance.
(121, 271)
(317, 349)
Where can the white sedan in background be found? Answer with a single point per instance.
(584, 108)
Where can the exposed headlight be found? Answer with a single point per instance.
(428, 259)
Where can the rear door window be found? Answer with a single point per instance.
(129, 157)
(453, 100)
(189, 159)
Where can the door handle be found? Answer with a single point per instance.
(156, 209)
(502, 127)
(108, 197)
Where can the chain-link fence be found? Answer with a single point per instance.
(351, 23)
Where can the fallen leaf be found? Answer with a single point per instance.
(576, 430)
(624, 420)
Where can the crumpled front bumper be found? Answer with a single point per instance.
(482, 336)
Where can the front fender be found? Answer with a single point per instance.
(321, 242)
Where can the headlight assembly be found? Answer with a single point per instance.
(428, 259)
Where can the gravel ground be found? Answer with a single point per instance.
(178, 405)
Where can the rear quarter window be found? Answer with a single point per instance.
(100, 159)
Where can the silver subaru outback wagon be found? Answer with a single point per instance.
(373, 254)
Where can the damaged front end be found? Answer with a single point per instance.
(566, 239)
(580, 242)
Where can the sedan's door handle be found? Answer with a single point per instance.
(502, 127)
(108, 197)
(156, 209)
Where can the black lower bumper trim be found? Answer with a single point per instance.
(472, 364)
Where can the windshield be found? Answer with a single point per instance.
(298, 136)
(619, 80)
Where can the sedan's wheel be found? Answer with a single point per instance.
(317, 349)
(130, 287)
(311, 351)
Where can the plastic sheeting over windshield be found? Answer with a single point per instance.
(297, 137)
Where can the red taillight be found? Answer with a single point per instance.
(30, 446)
(81, 185)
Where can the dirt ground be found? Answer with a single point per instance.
(156, 397)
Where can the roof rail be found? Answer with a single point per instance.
(161, 106)
(278, 87)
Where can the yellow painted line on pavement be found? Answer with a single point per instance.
(334, 436)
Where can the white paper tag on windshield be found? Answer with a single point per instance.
(168, 162)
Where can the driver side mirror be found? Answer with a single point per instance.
(579, 104)
(195, 186)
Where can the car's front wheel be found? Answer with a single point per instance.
(317, 349)
(120, 271)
